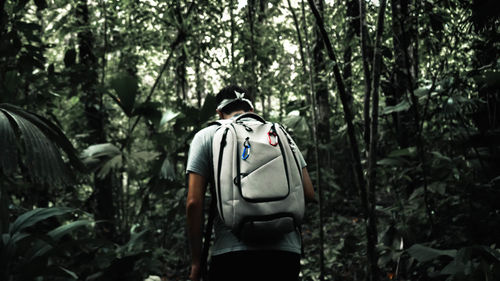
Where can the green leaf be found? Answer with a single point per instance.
(100, 150)
(69, 272)
(62, 230)
(41, 156)
(453, 268)
(421, 92)
(112, 164)
(150, 110)
(51, 131)
(57, 233)
(423, 253)
(438, 187)
(126, 87)
(8, 148)
(405, 152)
(392, 162)
(167, 170)
(105, 156)
(144, 156)
(440, 156)
(32, 217)
(400, 107)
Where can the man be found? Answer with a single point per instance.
(233, 259)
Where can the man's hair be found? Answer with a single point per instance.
(229, 93)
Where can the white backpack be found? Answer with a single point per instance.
(258, 179)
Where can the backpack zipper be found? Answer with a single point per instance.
(293, 150)
(284, 163)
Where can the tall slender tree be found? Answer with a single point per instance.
(95, 118)
(351, 30)
(321, 88)
(402, 76)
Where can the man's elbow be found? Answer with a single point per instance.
(193, 205)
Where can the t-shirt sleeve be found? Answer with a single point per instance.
(199, 155)
(300, 158)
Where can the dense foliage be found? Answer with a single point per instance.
(395, 107)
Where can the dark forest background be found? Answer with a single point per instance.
(395, 105)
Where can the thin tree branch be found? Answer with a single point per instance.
(366, 70)
(348, 115)
(181, 36)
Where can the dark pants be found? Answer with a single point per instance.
(255, 266)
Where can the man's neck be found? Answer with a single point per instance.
(230, 115)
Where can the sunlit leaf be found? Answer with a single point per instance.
(100, 150)
(408, 152)
(168, 116)
(167, 170)
(400, 107)
(395, 162)
(69, 272)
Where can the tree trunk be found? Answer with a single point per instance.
(95, 118)
(372, 159)
(181, 65)
(348, 116)
(322, 97)
(402, 76)
(323, 121)
(311, 101)
(233, 60)
(352, 28)
(250, 54)
(365, 54)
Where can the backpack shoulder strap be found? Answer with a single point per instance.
(250, 115)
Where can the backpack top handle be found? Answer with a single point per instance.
(250, 115)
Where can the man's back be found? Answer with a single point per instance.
(200, 162)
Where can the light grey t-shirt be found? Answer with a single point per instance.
(200, 162)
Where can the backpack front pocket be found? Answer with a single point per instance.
(269, 182)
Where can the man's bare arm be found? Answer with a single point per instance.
(197, 185)
(308, 186)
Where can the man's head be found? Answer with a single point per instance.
(233, 99)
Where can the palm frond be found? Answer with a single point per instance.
(8, 148)
(36, 139)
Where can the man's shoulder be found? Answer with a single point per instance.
(206, 134)
(209, 130)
